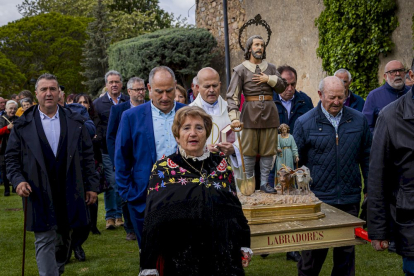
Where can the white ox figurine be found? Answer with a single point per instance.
(303, 178)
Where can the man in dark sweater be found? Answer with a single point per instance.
(394, 74)
(113, 202)
(352, 100)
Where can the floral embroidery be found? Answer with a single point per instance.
(162, 184)
(182, 170)
(160, 174)
(163, 164)
(183, 181)
(222, 166)
(162, 157)
(223, 184)
(196, 180)
(171, 164)
(202, 180)
(173, 172)
(213, 173)
(172, 180)
(231, 177)
(217, 185)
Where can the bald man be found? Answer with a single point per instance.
(334, 142)
(210, 100)
(394, 75)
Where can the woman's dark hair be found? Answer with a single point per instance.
(70, 98)
(88, 98)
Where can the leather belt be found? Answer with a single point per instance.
(260, 98)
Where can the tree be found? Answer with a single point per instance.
(352, 35)
(129, 18)
(94, 52)
(184, 50)
(47, 43)
(11, 79)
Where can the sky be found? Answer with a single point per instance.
(8, 9)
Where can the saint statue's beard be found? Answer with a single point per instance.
(257, 55)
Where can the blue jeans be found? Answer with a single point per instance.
(113, 202)
(408, 266)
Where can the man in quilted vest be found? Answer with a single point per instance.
(334, 142)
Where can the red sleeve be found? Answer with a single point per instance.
(4, 130)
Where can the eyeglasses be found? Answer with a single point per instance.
(137, 89)
(394, 72)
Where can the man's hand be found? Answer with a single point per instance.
(296, 159)
(260, 78)
(91, 197)
(379, 245)
(23, 189)
(10, 126)
(226, 148)
(235, 124)
(246, 259)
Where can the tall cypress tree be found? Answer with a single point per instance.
(94, 52)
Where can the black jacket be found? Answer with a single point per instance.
(103, 109)
(25, 163)
(301, 104)
(391, 176)
(334, 166)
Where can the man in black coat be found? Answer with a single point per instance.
(103, 105)
(291, 104)
(391, 180)
(49, 161)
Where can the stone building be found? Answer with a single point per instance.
(294, 36)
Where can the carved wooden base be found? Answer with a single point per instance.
(334, 230)
(282, 212)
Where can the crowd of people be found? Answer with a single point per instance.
(168, 177)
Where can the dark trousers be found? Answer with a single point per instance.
(137, 219)
(343, 257)
(5, 180)
(129, 228)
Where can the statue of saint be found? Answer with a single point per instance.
(256, 79)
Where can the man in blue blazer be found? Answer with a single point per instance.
(144, 136)
(136, 90)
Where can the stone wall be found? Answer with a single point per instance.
(294, 37)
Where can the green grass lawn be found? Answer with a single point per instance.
(111, 254)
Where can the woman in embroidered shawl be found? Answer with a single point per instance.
(194, 223)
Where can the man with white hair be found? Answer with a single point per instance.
(352, 100)
(193, 92)
(394, 88)
(334, 142)
(215, 106)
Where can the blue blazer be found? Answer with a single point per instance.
(135, 154)
(113, 124)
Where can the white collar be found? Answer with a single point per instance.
(205, 155)
(252, 67)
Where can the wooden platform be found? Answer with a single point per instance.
(334, 230)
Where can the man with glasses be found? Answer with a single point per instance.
(380, 97)
(136, 91)
(113, 202)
